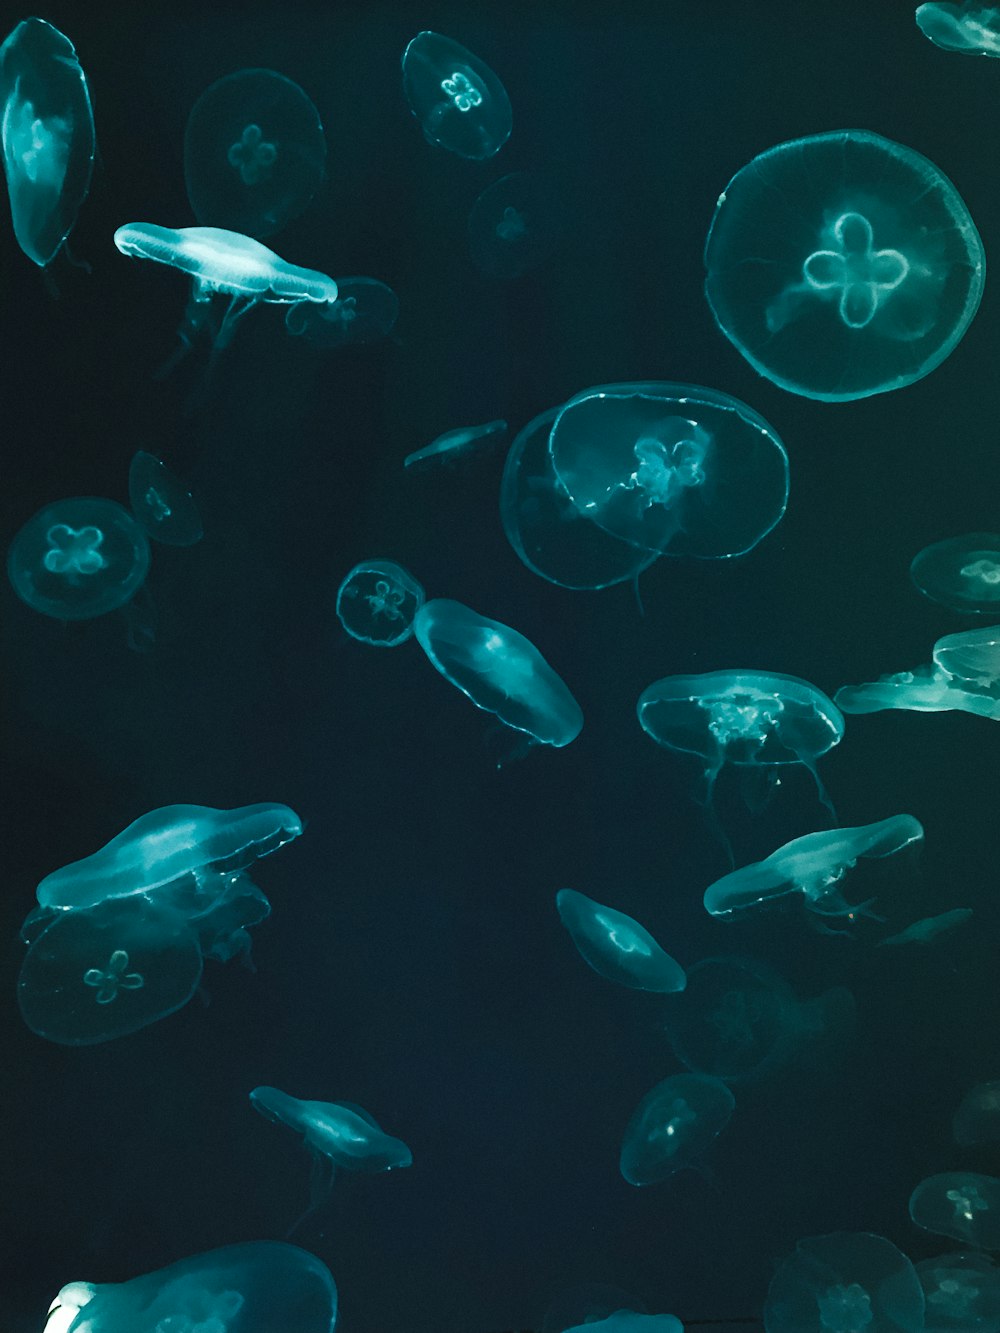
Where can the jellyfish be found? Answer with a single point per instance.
(499, 670)
(452, 444)
(588, 1305)
(365, 311)
(258, 1287)
(962, 573)
(977, 1119)
(377, 601)
(673, 1126)
(459, 101)
(47, 128)
(929, 928)
(254, 153)
(970, 28)
(847, 1282)
(161, 504)
(962, 1204)
(963, 676)
(514, 225)
(616, 946)
(78, 558)
(962, 1293)
(843, 265)
(629, 1321)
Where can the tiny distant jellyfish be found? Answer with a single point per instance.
(972, 29)
(78, 558)
(962, 573)
(962, 1292)
(459, 101)
(377, 601)
(47, 127)
(962, 1204)
(452, 444)
(843, 265)
(673, 1126)
(616, 946)
(161, 504)
(254, 153)
(365, 311)
(977, 1119)
(514, 226)
(847, 1282)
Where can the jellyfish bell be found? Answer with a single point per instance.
(616, 946)
(962, 1293)
(377, 601)
(514, 225)
(962, 1204)
(977, 1119)
(970, 28)
(962, 573)
(453, 444)
(461, 104)
(161, 504)
(846, 1282)
(347, 1135)
(971, 659)
(673, 1126)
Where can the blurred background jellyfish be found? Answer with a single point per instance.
(843, 265)
(977, 1119)
(377, 601)
(459, 101)
(514, 226)
(673, 1126)
(365, 311)
(161, 504)
(453, 444)
(616, 946)
(929, 929)
(968, 27)
(962, 1204)
(254, 153)
(962, 573)
(847, 1282)
(962, 1293)
(47, 126)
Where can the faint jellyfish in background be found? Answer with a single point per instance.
(929, 929)
(843, 265)
(254, 153)
(962, 1293)
(514, 226)
(365, 311)
(161, 504)
(847, 1282)
(673, 1127)
(377, 601)
(962, 573)
(454, 444)
(970, 28)
(459, 101)
(962, 1204)
(617, 947)
(977, 1119)
(47, 128)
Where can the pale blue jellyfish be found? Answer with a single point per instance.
(588, 1304)
(962, 1293)
(161, 504)
(929, 928)
(962, 573)
(377, 601)
(78, 558)
(365, 311)
(847, 1282)
(843, 265)
(514, 225)
(629, 1321)
(977, 1119)
(459, 101)
(963, 676)
(47, 127)
(962, 1204)
(453, 444)
(673, 1127)
(970, 28)
(616, 946)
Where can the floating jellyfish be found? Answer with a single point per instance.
(962, 1292)
(963, 676)
(977, 1119)
(48, 136)
(628, 1321)
(671, 467)
(514, 225)
(588, 1304)
(970, 28)
(962, 573)
(78, 558)
(257, 1287)
(960, 1204)
(843, 265)
(673, 1126)
(254, 153)
(847, 1282)
(452, 444)
(161, 504)
(499, 670)
(459, 101)
(365, 311)
(929, 929)
(616, 946)
(377, 601)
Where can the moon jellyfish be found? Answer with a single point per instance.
(843, 265)
(365, 311)
(962, 1292)
(963, 676)
(960, 1204)
(500, 670)
(673, 1126)
(514, 225)
(616, 946)
(977, 1119)
(969, 28)
(459, 101)
(161, 504)
(847, 1282)
(929, 928)
(962, 573)
(377, 601)
(78, 558)
(254, 153)
(47, 128)
(453, 443)
(260, 1286)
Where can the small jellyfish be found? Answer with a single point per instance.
(962, 573)
(254, 153)
(459, 101)
(847, 1282)
(514, 225)
(970, 28)
(673, 1126)
(616, 946)
(977, 1119)
(377, 601)
(962, 1204)
(629, 1321)
(365, 311)
(452, 444)
(78, 558)
(843, 265)
(161, 504)
(929, 928)
(962, 1292)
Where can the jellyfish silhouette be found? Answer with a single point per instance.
(459, 101)
(673, 1126)
(365, 311)
(377, 601)
(962, 1293)
(616, 946)
(161, 504)
(969, 28)
(453, 444)
(847, 1282)
(962, 1204)
(962, 573)
(514, 226)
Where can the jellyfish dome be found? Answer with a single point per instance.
(977, 1119)
(847, 1282)
(969, 28)
(617, 947)
(377, 601)
(971, 659)
(962, 1204)
(843, 265)
(962, 1293)
(459, 101)
(161, 504)
(514, 225)
(962, 573)
(347, 1135)
(673, 1126)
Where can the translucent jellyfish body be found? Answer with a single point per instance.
(671, 467)
(459, 101)
(673, 1126)
(256, 1287)
(347, 1135)
(254, 153)
(843, 265)
(968, 27)
(78, 558)
(962, 1204)
(929, 928)
(47, 126)
(453, 444)
(161, 504)
(962, 573)
(616, 946)
(963, 676)
(365, 311)
(499, 670)
(847, 1282)
(377, 601)
(629, 1321)
(962, 1293)
(514, 225)
(977, 1119)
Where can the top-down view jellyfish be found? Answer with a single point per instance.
(377, 601)
(977, 1119)
(962, 573)
(963, 676)
(962, 1204)
(47, 126)
(616, 946)
(843, 265)
(459, 101)
(161, 504)
(514, 225)
(847, 1282)
(254, 153)
(673, 1126)
(971, 28)
(962, 1293)
(365, 311)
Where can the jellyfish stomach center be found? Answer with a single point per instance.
(665, 468)
(849, 269)
(158, 507)
(667, 1133)
(106, 982)
(743, 715)
(74, 551)
(386, 600)
(954, 1295)
(511, 671)
(462, 91)
(36, 147)
(845, 1309)
(734, 1018)
(983, 570)
(967, 1202)
(251, 156)
(512, 226)
(621, 937)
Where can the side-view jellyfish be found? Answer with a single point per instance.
(377, 601)
(847, 1282)
(962, 1292)
(514, 225)
(977, 1119)
(452, 444)
(616, 946)
(963, 676)
(459, 101)
(970, 28)
(673, 1126)
(928, 929)
(161, 504)
(365, 311)
(843, 265)
(962, 573)
(962, 1204)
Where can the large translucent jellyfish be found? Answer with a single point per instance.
(971, 28)
(47, 127)
(962, 1204)
(452, 444)
(459, 101)
(977, 1119)
(928, 929)
(673, 1126)
(962, 1292)
(499, 670)
(78, 558)
(365, 311)
(257, 1287)
(671, 467)
(161, 504)
(963, 676)
(847, 1282)
(843, 265)
(254, 153)
(616, 946)
(962, 573)
(377, 601)
(514, 225)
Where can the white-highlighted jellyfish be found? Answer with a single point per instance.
(843, 265)
(673, 1126)
(962, 1292)
(365, 311)
(962, 573)
(962, 1204)
(671, 468)
(78, 558)
(500, 670)
(929, 929)
(847, 1282)
(970, 28)
(963, 676)
(514, 225)
(377, 601)
(161, 504)
(459, 101)
(977, 1119)
(47, 127)
(616, 946)
(254, 153)
(258, 1287)
(453, 444)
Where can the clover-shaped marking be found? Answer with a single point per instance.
(252, 156)
(860, 273)
(386, 600)
(73, 550)
(462, 91)
(108, 983)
